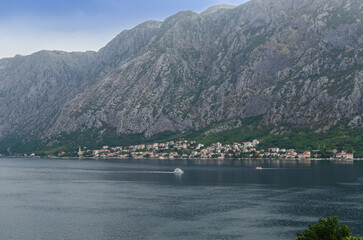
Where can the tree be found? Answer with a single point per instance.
(329, 229)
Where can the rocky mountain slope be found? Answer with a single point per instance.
(296, 62)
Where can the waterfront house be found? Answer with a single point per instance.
(344, 155)
(305, 154)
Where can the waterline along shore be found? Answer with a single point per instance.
(186, 149)
(202, 159)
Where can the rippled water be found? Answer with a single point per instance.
(125, 199)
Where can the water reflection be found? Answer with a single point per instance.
(286, 173)
(278, 163)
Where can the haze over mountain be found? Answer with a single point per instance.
(296, 62)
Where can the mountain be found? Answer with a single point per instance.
(292, 62)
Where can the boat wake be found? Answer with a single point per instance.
(147, 172)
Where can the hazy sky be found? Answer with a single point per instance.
(27, 26)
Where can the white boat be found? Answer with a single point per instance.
(258, 168)
(178, 171)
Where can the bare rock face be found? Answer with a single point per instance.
(34, 89)
(298, 62)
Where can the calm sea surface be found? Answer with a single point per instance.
(129, 199)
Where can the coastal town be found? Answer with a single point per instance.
(192, 149)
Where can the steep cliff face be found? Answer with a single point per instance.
(34, 89)
(293, 61)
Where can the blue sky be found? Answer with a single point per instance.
(27, 26)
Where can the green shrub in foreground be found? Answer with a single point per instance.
(328, 229)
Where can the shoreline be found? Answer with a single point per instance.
(171, 159)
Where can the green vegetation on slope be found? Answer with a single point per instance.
(298, 138)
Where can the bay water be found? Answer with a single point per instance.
(143, 199)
